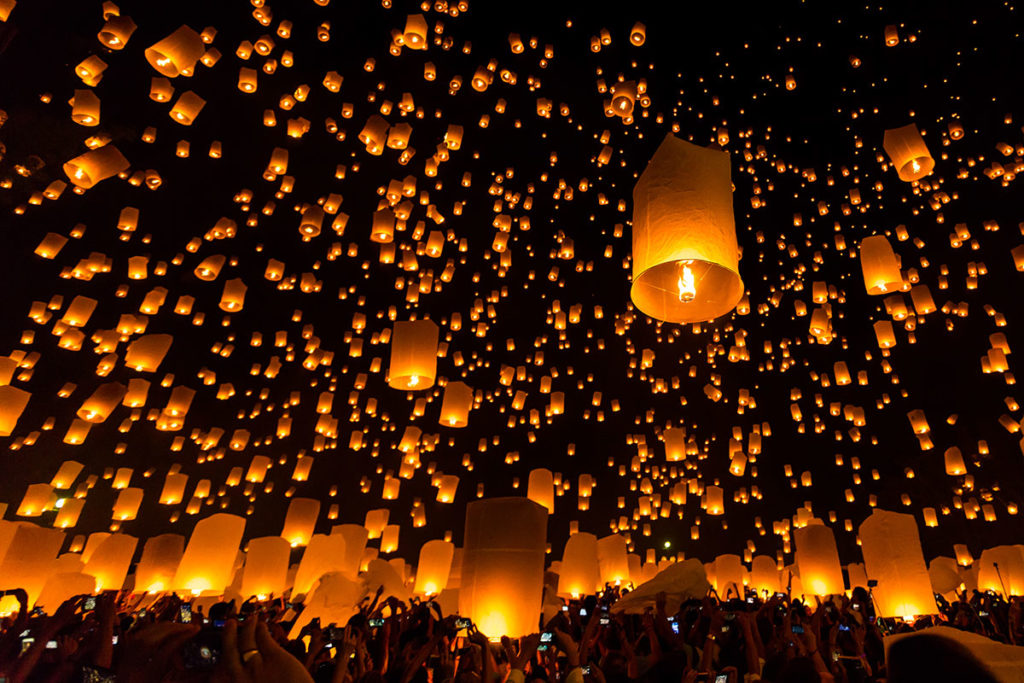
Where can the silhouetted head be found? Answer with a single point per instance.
(932, 658)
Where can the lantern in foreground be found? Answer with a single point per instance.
(580, 574)
(893, 557)
(323, 554)
(209, 559)
(502, 582)
(433, 567)
(908, 153)
(613, 558)
(29, 559)
(413, 363)
(728, 575)
(177, 53)
(764, 575)
(300, 520)
(879, 265)
(685, 256)
(266, 567)
(818, 559)
(110, 562)
(355, 537)
(159, 562)
(1001, 569)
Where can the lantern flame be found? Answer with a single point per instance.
(685, 283)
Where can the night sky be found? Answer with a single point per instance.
(798, 148)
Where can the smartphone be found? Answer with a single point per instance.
(675, 627)
(185, 612)
(750, 600)
(797, 628)
(545, 640)
(604, 620)
(565, 608)
(463, 623)
(586, 670)
(113, 640)
(722, 678)
(51, 645)
(982, 613)
(203, 651)
(26, 643)
(844, 627)
(90, 603)
(375, 623)
(583, 611)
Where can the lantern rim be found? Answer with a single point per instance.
(654, 291)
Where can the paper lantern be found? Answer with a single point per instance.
(893, 557)
(675, 444)
(174, 488)
(29, 559)
(116, 32)
(233, 297)
(502, 582)
(12, 404)
(540, 488)
(177, 53)
(954, 462)
(266, 567)
(126, 507)
(764, 576)
(36, 500)
(110, 562)
(613, 560)
(208, 561)
(187, 108)
(880, 266)
(323, 554)
(458, 399)
(85, 108)
(69, 513)
(685, 255)
(416, 32)
(818, 559)
(375, 521)
(66, 474)
(95, 165)
(1001, 569)
(389, 538)
(433, 567)
(300, 521)
(944, 575)
(95, 540)
(159, 562)
(61, 587)
(6, 7)
(714, 500)
(908, 153)
(580, 573)
(638, 34)
(413, 363)
(446, 488)
(728, 576)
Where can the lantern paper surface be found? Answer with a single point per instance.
(893, 557)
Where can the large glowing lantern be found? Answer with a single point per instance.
(1001, 569)
(177, 53)
(62, 586)
(355, 536)
(95, 165)
(540, 488)
(147, 352)
(12, 404)
(764, 575)
(413, 363)
(160, 558)
(433, 567)
(817, 558)
(29, 559)
(208, 562)
(36, 500)
(613, 557)
(893, 557)
(581, 570)
(109, 564)
(908, 152)
(879, 265)
(502, 583)
(729, 575)
(944, 575)
(685, 256)
(266, 567)
(300, 520)
(323, 554)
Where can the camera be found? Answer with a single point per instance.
(90, 603)
(545, 640)
(203, 651)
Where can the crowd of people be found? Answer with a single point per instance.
(111, 638)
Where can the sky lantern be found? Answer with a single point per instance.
(714, 500)
(764, 575)
(416, 31)
(109, 564)
(433, 567)
(685, 255)
(893, 557)
(29, 559)
(126, 507)
(818, 559)
(613, 560)
(147, 352)
(540, 488)
(300, 520)
(159, 562)
(95, 165)
(116, 32)
(355, 536)
(879, 265)
(66, 474)
(447, 487)
(728, 575)
(12, 404)
(266, 567)
(413, 364)
(908, 153)
(323, 554)
(455, 407)
(177, 53)
(580, 572)
(208, 561)
(1001, 569)
(502, 580)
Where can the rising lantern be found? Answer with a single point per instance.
(893, 557)
(413, 363)
(908, 152)
(685, 256)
